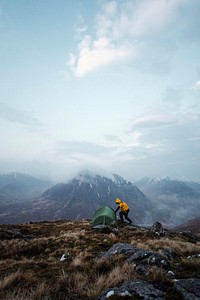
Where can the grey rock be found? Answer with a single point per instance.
(157, 229)
(166, 253)
(19, 234)
(194, 256)
(142, 269)
(139, 255)
(137, 288)
(189, 288)
(119, 248)
(157, 260)
(192, 238)
(149, 258)
(170, 274)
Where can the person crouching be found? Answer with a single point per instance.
(124, 210)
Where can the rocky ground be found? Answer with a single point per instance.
(70, 260)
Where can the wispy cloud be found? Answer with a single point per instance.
(15, 115)
(117, 29)
(81, 147)
(168, 136)
(197, 85)
(152, 120)
(97, 53)
(112, 138)
(151, 16)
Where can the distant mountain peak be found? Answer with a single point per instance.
(86, 175)
(90, 177)
(120, 180)
(155, 180)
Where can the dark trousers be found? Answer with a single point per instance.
(125, 214)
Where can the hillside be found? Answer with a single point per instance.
(18, 188)
(192, 225)
(173, 201)
(131, 263)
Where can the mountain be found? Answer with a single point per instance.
(194, 185)
(24, 198)
(18, 187)
(174, 201)
(192, 225)
(80, 197)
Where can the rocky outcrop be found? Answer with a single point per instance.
(189, 288)
(183, 289)
(143, 260)
(119, 248)
(137, 289)
(157, 228)
(137, 256)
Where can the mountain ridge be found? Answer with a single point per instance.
(191, 225)
(168, 201)
(19, 187)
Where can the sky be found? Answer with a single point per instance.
(108, 86)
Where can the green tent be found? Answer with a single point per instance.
(103, 216)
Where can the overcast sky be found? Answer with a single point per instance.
(111, 86)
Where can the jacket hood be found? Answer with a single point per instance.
(118, 201)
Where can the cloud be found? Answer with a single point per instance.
(197, 85)
(168, 138)
(96, 53)
(161, 135)
(81, 147)
(80, 30)
(19, 116)
(102, 155)
(153, 120)
(112, 138)
(116, 30)
(153, 15)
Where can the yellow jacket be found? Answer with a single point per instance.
(123, 206)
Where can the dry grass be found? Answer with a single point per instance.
(117, 275)
(11, 280)
(176, 245)
(156, 274)
(31, 269)
(189, 267)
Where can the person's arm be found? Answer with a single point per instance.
(117, 209)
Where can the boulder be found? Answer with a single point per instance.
(192, 238)
(157, 229)
(166, 253)
(156, 260)
(189, 288)
(137, 289)
(149, 258)
(139, 255)
(119, 248)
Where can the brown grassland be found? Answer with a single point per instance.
(30, 266)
